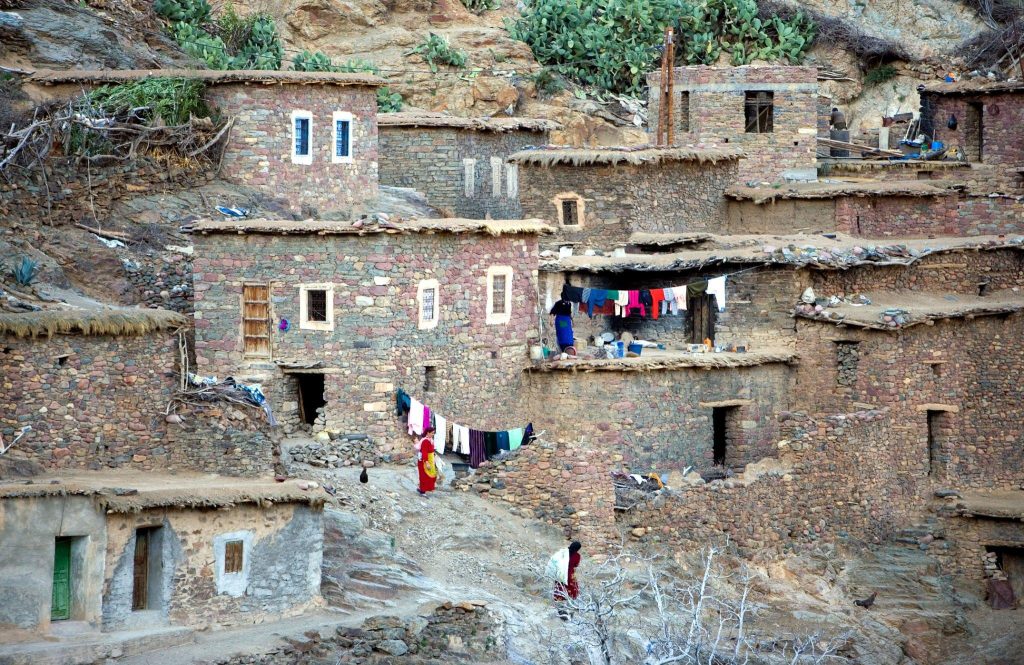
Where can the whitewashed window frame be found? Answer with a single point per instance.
(469, 177)
(233, 584)
(493, 318)
(424, 286)
(496, 187)
(343, 116)
(304, 322)
(512, 180)
(306, 159)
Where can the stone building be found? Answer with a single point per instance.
(332, 318)
(597, 197)
(460, 164)
(113, 551)
(307, 138)
(770, 112)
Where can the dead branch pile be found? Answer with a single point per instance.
(84, 133)
(1000, 48)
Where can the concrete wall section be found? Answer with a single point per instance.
(28, 530)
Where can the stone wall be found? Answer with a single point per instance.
(990, 215)
(1001, 116)
(92, 401)
(716, 114)
(786, 216)
(376, 346)
(899, 216)
(283, 565)
(968, 537)
(619, 200)
(232, 440)
(80, 195)
(430, 160)
(662, 420)
(567, 485)
(258, 152)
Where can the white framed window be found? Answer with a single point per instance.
(496, 177)
(512, 180)
(302, 137)
(469, 177)
(231, 553)
(499, 295)
(428, 303)
(341, 152)
(316, 307)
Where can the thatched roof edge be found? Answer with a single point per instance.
(761, 195)
(116, 322)
(108, 500)
(494, 227)
(209, 76)
(552, 156)
(483, 124)
(669, 363)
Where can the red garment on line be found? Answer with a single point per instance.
(426, 450)
(572, 589)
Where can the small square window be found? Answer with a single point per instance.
(234, 556)
(570, 213)
(316, 305)
(343, 122)
(759, 111)
(302, 132)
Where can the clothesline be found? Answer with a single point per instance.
(479, 445)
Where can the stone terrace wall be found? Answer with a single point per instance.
(220, 438)
(258, 154)
(900, 216)
(91, 401)
(846, 477)
(71, 199)
(661, 420)
(619, 200)
(971, 368)
(376, 345)
(568, 485)
(758, 309)
(283, 563)
(990, 215)
(716, 113)
(1001, 144)
(783, 217)
(429, 159)
(969, 537)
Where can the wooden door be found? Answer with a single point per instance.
(60, 606)
(702, 311)
(256, 320)
(140, 577)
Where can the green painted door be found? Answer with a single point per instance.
(60, 608)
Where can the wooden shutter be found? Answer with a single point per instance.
(60, 607)
(256, 320)
(233, 556)
(140, 576)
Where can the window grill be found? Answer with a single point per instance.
(342, 146)
(498, 289)
(429, 297)
(759, 112)
(316, 305)
(302, 136)
(570, 213)
(233, 556)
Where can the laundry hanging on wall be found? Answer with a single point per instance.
(645, 303)
(477, 445)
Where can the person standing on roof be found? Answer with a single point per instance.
(562, 311)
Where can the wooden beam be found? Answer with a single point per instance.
(725, 402)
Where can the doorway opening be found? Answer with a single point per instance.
(703, 314)
(60, 607)
(1009, 562)
(148, 569)
(723, 423)
(938, 430)
(311, 396)
(974, 132)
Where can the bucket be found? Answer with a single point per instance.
(536, 352)
(635, 348)
(620, 350)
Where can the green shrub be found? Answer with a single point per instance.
(229, 42)
(436, 49)
(261, 48)
(195, 12)
(613, 44)
(880, 75)
(388, 101)
(312, 62)
(548, 82)
(173, 100)
(481, 6)
(201, 45)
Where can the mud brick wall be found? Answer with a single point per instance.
(966, 369)
(619, 200)
(283, 564)
(842, 478)
(662, 420)
(68, 192)
(1001, 116)
(716, 114)
(258, 152)
(376, 345)
(430, 160)
(899, 216)
(92, 401)
(564, 484)
(218, 438)
(757, 314)
(782, 217)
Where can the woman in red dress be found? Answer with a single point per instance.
(571, 589)
(425, 463)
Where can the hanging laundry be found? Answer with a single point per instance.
(680, 299)
(515, 438)
(440, 433)
(504, 441)
(621, 303)
(586, 294)
(402, 402)
(596, 298)
(477, 451)
(716, 288)
(634, 304)
(490, 444)
(416, 413)
(572, 293)
(428, 418)
(460, 439)
(647, 301)
(528, 435)
(657, 298)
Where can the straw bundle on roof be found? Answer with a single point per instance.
(90, 322)
(628, 156)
